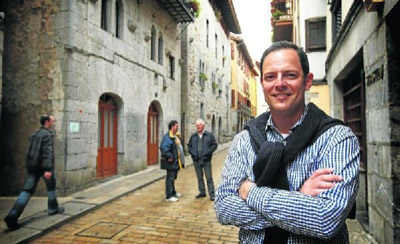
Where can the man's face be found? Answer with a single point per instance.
(50, 123)
(199, 127)
(283, 82)
(174, 128)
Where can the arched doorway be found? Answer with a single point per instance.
(108, 124)
(152, 134)
(213, 125)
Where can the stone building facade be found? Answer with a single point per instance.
(206, 73)
(363, 76)
(108, 70)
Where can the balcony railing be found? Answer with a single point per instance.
(282, 9)
(180, 10)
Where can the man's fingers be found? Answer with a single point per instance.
(325, 185)
(330, 178)
(319, 172)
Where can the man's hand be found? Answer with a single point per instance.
(170, 159)
(245, 188)
(47, 175)
(321, 180)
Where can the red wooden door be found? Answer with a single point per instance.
(107, 151)
(152, 135)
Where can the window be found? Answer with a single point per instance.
(232, 50)
(207, 32)
(315, 34)
(216, 46)
(171, 67)
(200, 71)
(219, 87)
(104, 15)
(119, 20)
(223, 56)
(202, 111)
(160, 48)
(336, 9)
(213, 83)
(153, 43)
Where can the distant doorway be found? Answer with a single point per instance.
(107, 150)
(152, 135)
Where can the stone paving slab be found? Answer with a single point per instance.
(73, 208)
(42, 221)
(18, 236)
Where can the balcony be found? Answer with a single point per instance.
(282, 20)
(179, 10)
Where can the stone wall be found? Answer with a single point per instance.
(31, 84)
(69, 67)
(374, 43)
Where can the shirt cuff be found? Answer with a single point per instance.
(258, 197)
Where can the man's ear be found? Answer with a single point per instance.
(308, 81)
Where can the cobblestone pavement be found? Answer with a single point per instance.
(145, 217)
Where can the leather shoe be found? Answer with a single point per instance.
(60, 210)
(212, 198)
(12, 223)
(201, 195)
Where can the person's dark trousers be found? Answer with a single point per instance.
(170, 183)
(30, 184)
(199, 167)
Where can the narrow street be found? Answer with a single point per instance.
(145, 217)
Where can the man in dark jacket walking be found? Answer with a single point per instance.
(170, 161)
(39, 163)
(201, 145)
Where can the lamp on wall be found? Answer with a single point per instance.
(147, 38)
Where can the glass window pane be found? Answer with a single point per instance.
(99, 129)
(106, 118)
(151, 129)
(111, 128)
(153, 133)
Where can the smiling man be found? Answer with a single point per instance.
(292, 175)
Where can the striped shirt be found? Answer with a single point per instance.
(319, 219)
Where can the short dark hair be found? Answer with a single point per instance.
(172, 123)
(287, 45)
(44, 118)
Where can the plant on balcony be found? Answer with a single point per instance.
(276, 14)
(195, 6)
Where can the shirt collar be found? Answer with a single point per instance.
(271, 126)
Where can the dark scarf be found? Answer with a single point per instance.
(273, 157)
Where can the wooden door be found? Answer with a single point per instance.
(107, 151)
(152, 135)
